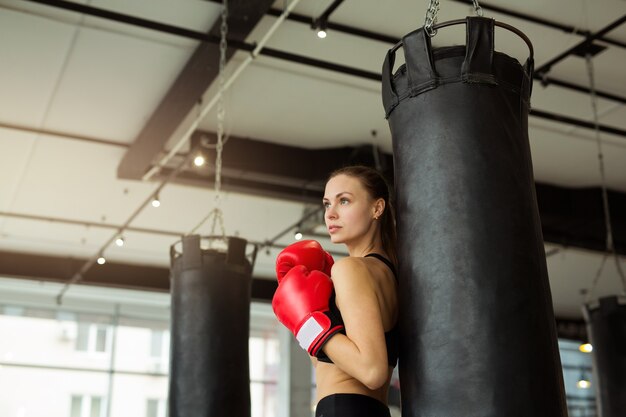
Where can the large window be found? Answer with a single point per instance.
(87, 406)
(264, 363)
(91, 337)
(578, 379)
(104, 348)
(156, 407)
(110, 348)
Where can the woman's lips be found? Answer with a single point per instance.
(332, 229)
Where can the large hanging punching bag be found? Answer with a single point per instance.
(478, 334)
(209, 368)
(606, 325)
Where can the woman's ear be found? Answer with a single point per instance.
(379, 208)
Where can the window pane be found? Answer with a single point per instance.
(576, 366)
(139, 341)
(156, 343)
(152, 408)
(131, 394)
(96, 406)
(101, 339)
(82, 338)
(12, 311)
(41, 345)
(77, 403)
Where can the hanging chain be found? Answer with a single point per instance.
(610, 248)
(221, 114)
(216, 213)
(431, 17)
(477, 9)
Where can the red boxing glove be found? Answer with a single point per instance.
(301, 303)
(305, 252)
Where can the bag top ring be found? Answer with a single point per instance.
(463, 21)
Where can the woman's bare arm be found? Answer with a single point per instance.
(362, 352)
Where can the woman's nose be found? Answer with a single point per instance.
(331, 213)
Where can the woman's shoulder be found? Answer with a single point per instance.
(351, 275)
(349, 264)
(352, 267)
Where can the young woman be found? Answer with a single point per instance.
(354, 378)
(344, 313)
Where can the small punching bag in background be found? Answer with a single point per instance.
(606, 326)
(478, 335)
(209, 368)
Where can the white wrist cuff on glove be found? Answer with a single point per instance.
(309, 331)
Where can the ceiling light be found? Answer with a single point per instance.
(101, 260)
(298, 236)
(583, 384)
(320, 25)
(585, 348)
(156, 202)
(199, 161)
(583, 381)
(120, 241)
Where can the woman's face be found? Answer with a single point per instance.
(349, 209)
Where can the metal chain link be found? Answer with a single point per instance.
(221, 114)
(431, 17)
(477, 9)
(605, 198)
(216, 213)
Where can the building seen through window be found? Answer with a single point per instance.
(97, 359)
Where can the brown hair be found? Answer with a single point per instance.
(377, 187)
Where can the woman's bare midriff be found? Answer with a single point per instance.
(332, 380)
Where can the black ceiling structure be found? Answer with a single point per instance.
(147, 147)
(244, 171)
(199, 73)
(543, 22)
(543, 76)
(569, 217)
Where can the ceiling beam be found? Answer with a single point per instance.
(547, 66)
(111, 274)
(195, 78)
(569, 216)
(279, 171)
(543, 22)
(136, 277)
(132, 171)
(351, 30)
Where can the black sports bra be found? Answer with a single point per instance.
(391, 337)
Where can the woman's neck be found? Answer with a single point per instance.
(367, 244)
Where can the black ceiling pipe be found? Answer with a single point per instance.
(337, 27)
(576, 122)
(350, 30)
(284, 55)
(191, 34)
(322, 19)
(543, 22)
(548, 65)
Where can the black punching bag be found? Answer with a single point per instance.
(606, 325)
(478, 336)
(209, 368)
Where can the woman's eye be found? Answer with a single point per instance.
(344, 201)
(326, 205)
